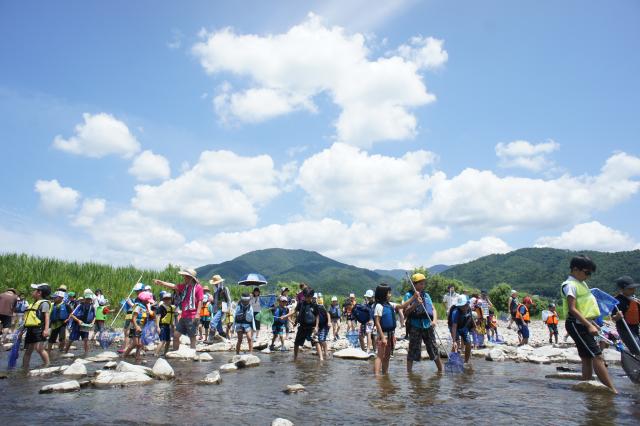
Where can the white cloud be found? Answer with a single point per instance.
(55, 198)
(91, 208)
(590, 236)
(526, 155)
(469, 251)
(100, 135)
(426, 52)
(149, 166)
(481, 199)
(345, 178)
(176, 39)
(286, 71)
(222, 189)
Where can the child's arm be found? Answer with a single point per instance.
(45, 332)
(381, 334)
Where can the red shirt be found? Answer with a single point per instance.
(198, 296)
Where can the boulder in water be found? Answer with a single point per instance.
(352, 353)
(294, 388)
(70, 386)
(111, 365)
(185, 340)
(225, 368)
(115, 378)
(47, 371)
(281, 422)
(538, 359)
(212, 378)
(162, 370)
(203, 357)
(495, 355)
(82, 361)
(183, 352)
(105, 356)
(75, 369)
(245, 361)
(125, 367)
(591, 386)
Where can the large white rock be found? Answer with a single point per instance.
(125, 367)
(294, 388)
(549, 352)
(70, 386)
(75, 369)
(244, 361)
(185, 340)
(538, 359)
(111, 365)
(47, 371)
(212, 378)
(225, 368)
(162, 370)
(352, 353)
(105, 356)
(183, 352)
(115, 378)
(82, 361)
(495, 355)
(281, 422)
(203, 357)
(591, 386)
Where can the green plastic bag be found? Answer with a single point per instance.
(265, 316)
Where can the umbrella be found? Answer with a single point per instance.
(253, 280)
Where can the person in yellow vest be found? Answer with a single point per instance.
(582, 309)
(164, 318)
(552, 323)
(36, 323)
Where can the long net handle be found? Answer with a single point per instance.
(125, 301)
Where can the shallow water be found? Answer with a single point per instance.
(338, 392)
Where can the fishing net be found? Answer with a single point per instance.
(15, 350)
(265, 316)
(352, 337)
(268, 301)
(631, 366)
(606, 302)
(455, 364)
(149, 333)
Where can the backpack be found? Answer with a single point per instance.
(280, 312)
(463, 320)
(306, 316)
(324, 318)
(241, 314)
(362, 313)
(60, 312)
(388, 318)
(334, 311)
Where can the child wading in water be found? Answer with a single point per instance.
(461, 325)
(582, 308)
(522, 320)
(164, 319)
(244, 322)
(629, 307)
(384, 314)
(140, 315)
(83, 319)
(36, 322)
(279, 327)
(552, 323)
(307, 319)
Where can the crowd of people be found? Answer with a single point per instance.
(200, 312)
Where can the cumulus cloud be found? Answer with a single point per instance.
(426, 52)
(469, 251)
(55, 198)
(149, 166)
(286, 71)
(222, 189)
(91, 208)
(590, 236)
(100, 135)
(526, 155)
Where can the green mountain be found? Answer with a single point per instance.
(282, 265)
(438, 269)
(396, 274)
(542, 270)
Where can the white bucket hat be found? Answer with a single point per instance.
(189, 272)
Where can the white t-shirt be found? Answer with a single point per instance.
(570, 289)
(450, 299)
(377, 310)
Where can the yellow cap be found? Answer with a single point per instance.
(418, 277)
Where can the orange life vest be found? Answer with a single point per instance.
(552, 319)
(632, 316)
(204, 311)
(524, 317)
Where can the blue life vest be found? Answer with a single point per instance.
(59, 312)
(334, 311)
(280, 312)
(141, 318)
(85, 314)
(362, 313)
(243, 314)
(388, 318)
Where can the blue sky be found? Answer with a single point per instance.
(382, 134)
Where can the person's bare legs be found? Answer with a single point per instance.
(467, 352)
(239, 342)
(250, 340)
(26, 358)
(602, 372)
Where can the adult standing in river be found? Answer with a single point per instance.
(220, 306)
(257, 307)
(8, 301)
(188, 297)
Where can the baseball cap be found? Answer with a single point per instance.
(138, 287)
(462, 300)
(72, 294)
(62, 287)
(352, 295)
(418, 277)
(626, 282)
(334, 299)
(44, 288)
(369, 293)
(59, 294)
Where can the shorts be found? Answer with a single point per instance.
(523, 328)
(243, 327)
(6, 321)
(366, 329)
(134, 333)
(165, 333)
(59, 333)
(416, 337)
(585, 342)
(464, 334)
(34, 335)
(278, 329)
(76, 334)
(553, 328)
(303, 334)
(322, 334)
(187, 327)
(205, 323)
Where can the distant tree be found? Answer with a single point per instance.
(499, 296)
(436, 286)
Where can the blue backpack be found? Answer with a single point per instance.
(60, 312)
(362, 313)
(388, 318)
(280, 312)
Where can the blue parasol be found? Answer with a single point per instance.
(253, 280)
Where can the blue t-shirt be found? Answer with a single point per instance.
(424, 322)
